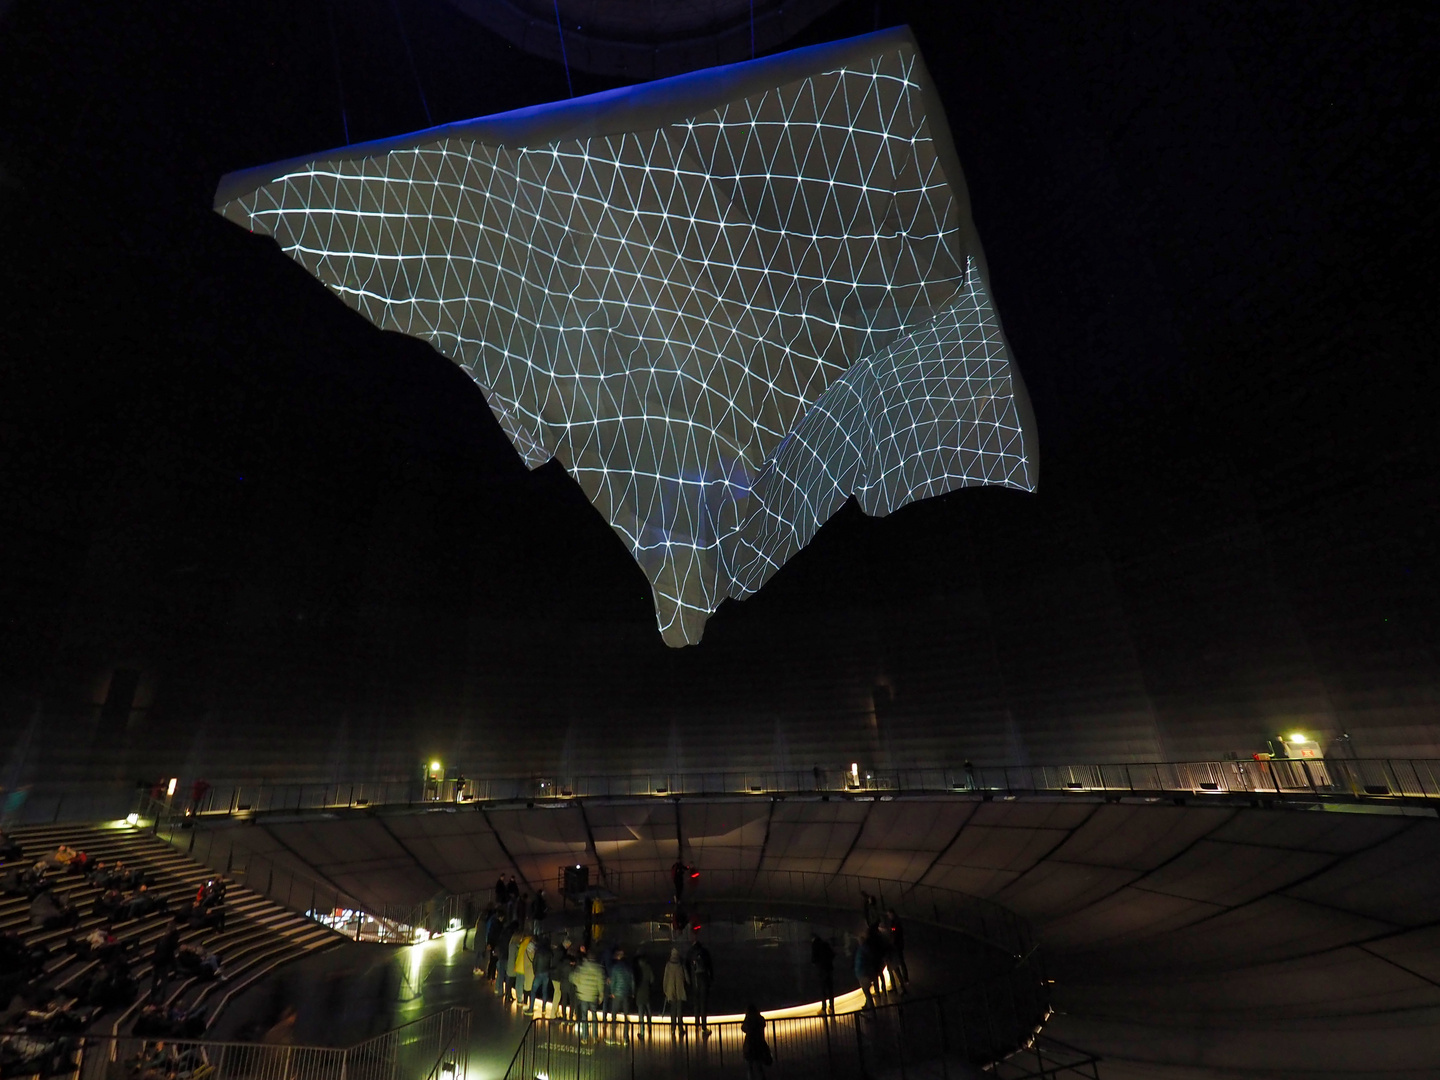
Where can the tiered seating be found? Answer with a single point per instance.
(257, 935)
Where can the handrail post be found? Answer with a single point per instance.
(944, 1039)
(826, 1019)
(1309, 779)
(901, 1041)
(1395, 786)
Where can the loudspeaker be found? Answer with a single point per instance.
(577, 880)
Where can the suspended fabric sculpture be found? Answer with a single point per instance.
(726, 301)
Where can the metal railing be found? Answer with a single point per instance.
(409, 1052)
(1364, 778)
(1323, 777)
(975, 1026)
(277, 879)
(1048, 1059)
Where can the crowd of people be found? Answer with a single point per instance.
(592, 985)
(47, 1013)
(27, 1054)
(124, 893)
(596, 985)
(160, 1060)
(880, 948)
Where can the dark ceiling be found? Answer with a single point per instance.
(274, 539)
(646, 39)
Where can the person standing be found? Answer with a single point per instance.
(822, 958)
(897, 950)
(493, 928)
(524, 974)
(562, 970)
(673, 984)
(868, 961)
(162, 960)
(755, 1050)
(512, 898)
(538, 911)
(878, 950)
(644, 990)
(589, 980)
(469, 920)
(540, 966)
(872, 908)
(512, 946)
(622, 989)
(702, 976)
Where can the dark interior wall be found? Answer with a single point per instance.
(1210, 236)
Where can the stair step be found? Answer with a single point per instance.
(259, 935)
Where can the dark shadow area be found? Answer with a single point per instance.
(246, 533)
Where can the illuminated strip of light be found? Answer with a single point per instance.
(851, 1001)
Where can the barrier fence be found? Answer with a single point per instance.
(292, 887)
(939, 1036)
(1360, 778)
(431, 1048)
(1363, 778)
(281, 880)
(278, 878)
(1047, 1059)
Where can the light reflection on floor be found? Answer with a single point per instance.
(342, 997)
(438, 973)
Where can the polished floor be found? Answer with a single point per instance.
(355, 993)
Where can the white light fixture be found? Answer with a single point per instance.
(132, 819)
(170, 788)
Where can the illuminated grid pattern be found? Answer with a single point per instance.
(723, 325)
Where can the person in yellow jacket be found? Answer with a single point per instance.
(524, 969)
(589, 982)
